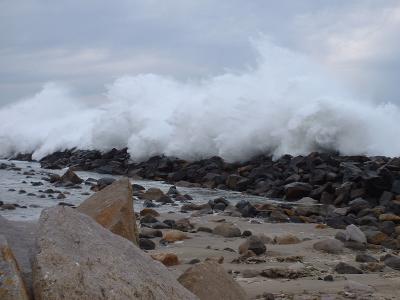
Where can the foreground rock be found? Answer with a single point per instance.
(76, 258)
(20, 237)
(112, 207)
(209, 281)
(12, 286)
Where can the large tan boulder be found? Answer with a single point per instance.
(209, 281)
(76, 258)
(12, 286)
(112, 207)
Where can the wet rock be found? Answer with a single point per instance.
(329, 245)
(71, 263)
(227, 230)
(254, 244)
(344, 268)
(12, 286)
(112, 207)
(146, 244)
(209, 281)
(287, 239)
(167, 259)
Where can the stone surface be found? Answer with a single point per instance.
(227, 230)
(12, 286)
(333, 246)
(77, 258)
(112, 207)
(209, 281)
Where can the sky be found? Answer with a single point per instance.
(86, 45)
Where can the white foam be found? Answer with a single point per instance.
(286, 104)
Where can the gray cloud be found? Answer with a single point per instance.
(87, 44)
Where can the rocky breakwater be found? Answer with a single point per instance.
(327, 178)
(359, 190)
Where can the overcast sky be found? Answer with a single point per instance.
(88, 44)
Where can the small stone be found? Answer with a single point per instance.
(372, 267)
(353, 233)
(205, 229)
(376, 237)
(287, 239)
(149, 211)
(328, 278)
(393, 262)
(344, 268)
(365, 258)
(227, 230)
(357, 288)
(167, 259)
(174, 236)
(146, 244)
(208, 280)
(389, 217)
(254, 244)
(194, 261)
(250, 273)
(217, 259)
(329, 245)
